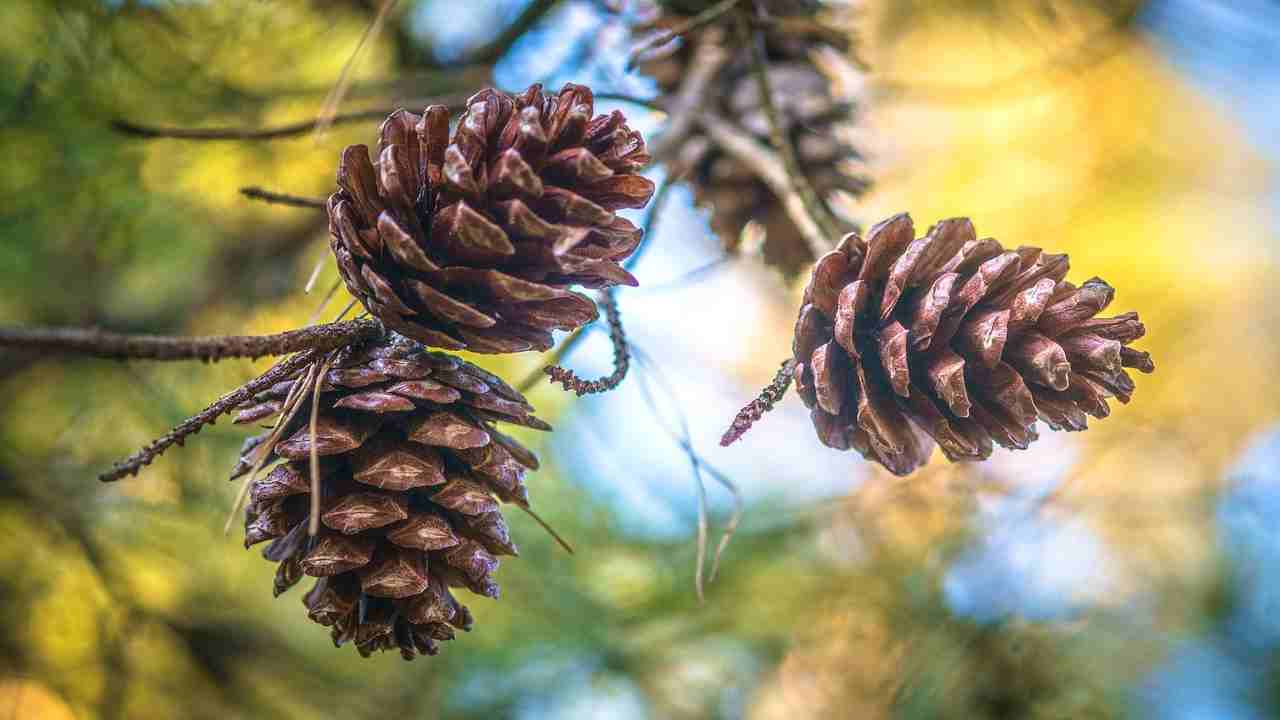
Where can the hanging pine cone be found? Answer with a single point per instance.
(472, 242)
(902, 342)
(817, 93)
(410, 465)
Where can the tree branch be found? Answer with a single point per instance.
(253, 192)
(119, 346)
(769, 168)
(708, 58)
(454, 101)
(283, 370)
(799, 182)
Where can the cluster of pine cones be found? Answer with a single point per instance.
(470, 240)
(388, 491)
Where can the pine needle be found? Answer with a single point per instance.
(333, 290)
(313, 525)
(331, 103)
(292, 402)
(315, 272)
(550, 530)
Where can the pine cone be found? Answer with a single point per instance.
(472, 242)
(902, 342)
(410, 465)
(814, 90)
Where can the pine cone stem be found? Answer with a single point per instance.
(621, 357)
(121, 346)
(208, 416)
(253, 192)
(708, 58)
(770, 169)
(764, 402)
(799, 181)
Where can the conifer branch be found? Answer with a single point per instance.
(92, 342)
(271, 197)
(283, 370)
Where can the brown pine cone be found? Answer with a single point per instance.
(411, 472)
(472, 242)
(815, 90)
(902, 342)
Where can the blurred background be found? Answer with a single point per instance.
(1131, 571)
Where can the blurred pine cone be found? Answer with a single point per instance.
(817, 92)
(901, 342)
(472, 242)
(410, 465)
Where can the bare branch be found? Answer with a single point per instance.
(281, 371)
(708, 58)
(769, 168)
(782, 143)
(253, 192)
(119, 346)
(454, 101)
(702, 19)
(621, 357)
(763, 403)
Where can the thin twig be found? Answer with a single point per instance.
(708, 58)
(782, 143)
(763, 403)
(730, 527)
(558, 356)
(454, 101)
(324, 302)
(684, 440)
(529, 17)
(655, 105)
(120, 346)
(225, 404)
(128, 127)
(329, 109)
(621, 357)
(769, 168)
(686, 278)
(660, 38)
(253, 192)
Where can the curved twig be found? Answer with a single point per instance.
(120, 346)
(621, 357)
